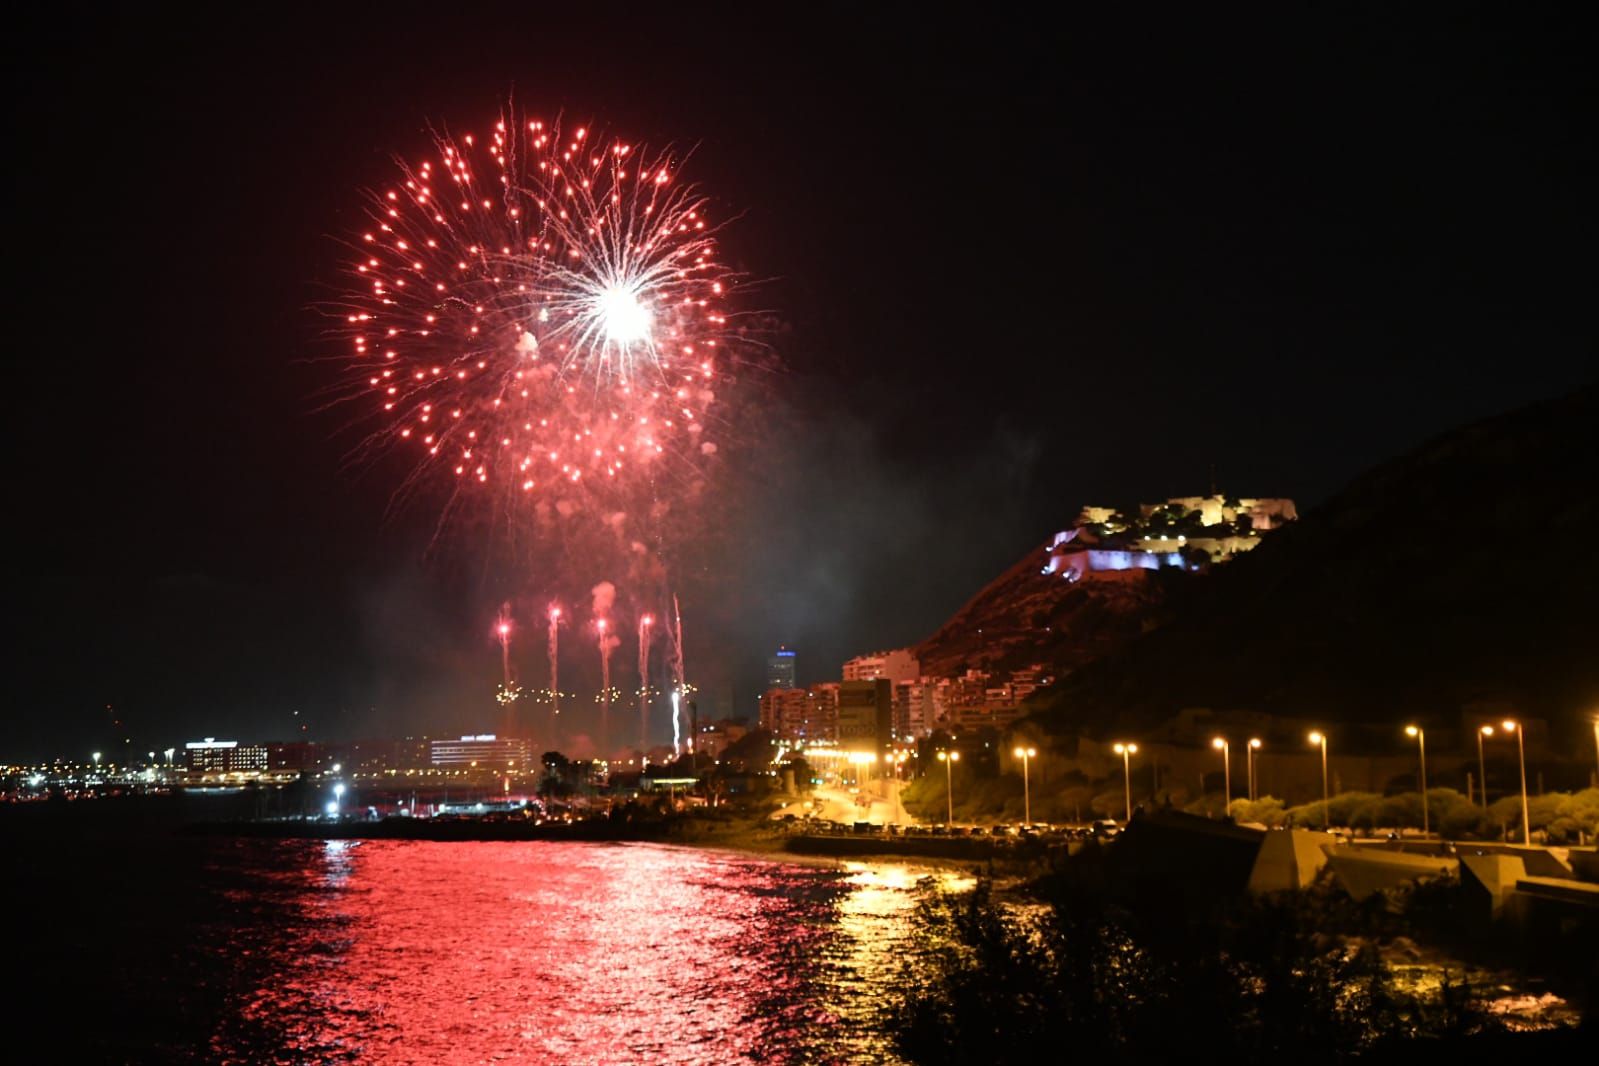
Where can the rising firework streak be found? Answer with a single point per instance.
(644, 624)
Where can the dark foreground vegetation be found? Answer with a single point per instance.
(1108, 976)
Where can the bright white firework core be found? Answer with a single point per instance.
(626, 319)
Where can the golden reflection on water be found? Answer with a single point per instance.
(876, 934)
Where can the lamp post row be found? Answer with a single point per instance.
(1127, 750)
(1319, 739)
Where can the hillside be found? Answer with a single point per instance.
(1465, 571)
(1024, 617)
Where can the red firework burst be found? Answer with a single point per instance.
(536, 316)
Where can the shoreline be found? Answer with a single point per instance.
(751, 835)
(817, 860)
(746, 840)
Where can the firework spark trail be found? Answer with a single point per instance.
(644, 625)
(605, 687)
(503, 630)
(677, 671)
(536, 317)
(604, 598)
(606, 644)
(555, 673)
(677, 745)
(509, 691)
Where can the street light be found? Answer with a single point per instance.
(1025, 754)
(96, 758)
(1596, 741)
(1512, 726)
(1482, 765)
(1221, 745)
(1317, 737)
(899, 784)
(1127, 751)
(1254, 746)
(949, 759)
(1421, 739)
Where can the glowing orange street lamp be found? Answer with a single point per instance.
(1482, 765)
(1254, 746)
(1596, 742)
(949, 759)
(1421, 739)
(1510, 725)
(1221, 745)
(1025, 754)
(1127, 751)
(1318, 737)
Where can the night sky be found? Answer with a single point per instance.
(1014, 266)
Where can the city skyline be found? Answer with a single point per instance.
(901, 464)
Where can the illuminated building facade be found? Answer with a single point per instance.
(893, 666)
(801, 714)
(823, 723)
(781, 668)
(484, 749)
(785, 712)
(213, 756)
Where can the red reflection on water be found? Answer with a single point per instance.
(577, 953)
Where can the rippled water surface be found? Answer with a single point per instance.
(415, 952)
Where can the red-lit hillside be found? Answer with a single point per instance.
(1025, 617)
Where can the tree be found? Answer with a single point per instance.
(754, 747)
(554, 784)
(1578, 813)
(801, 770)
(1267, 811)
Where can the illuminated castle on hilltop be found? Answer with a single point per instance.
(1185, 532)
